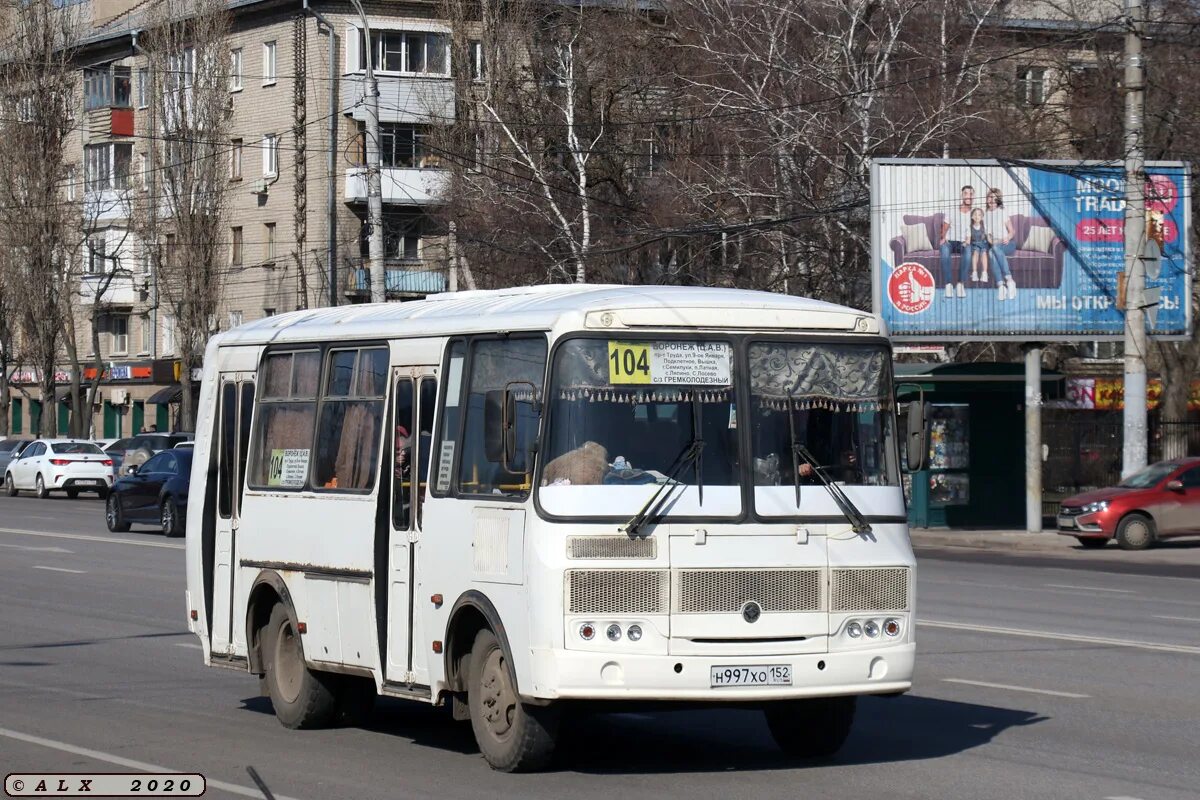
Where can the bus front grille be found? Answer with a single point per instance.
(617, 591)
(870, 589)
(726, 591)
(610, 547)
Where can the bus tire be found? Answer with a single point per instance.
(815, 728)
(1135, 532)
(513, 736)
(301, 697)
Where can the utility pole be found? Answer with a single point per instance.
(374, 184)
(1134, 455)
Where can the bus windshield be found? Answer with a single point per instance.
(623, 413)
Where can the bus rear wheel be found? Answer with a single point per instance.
(301, 697)
(814, 728)
(513, 736)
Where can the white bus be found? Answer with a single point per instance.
(515, 501)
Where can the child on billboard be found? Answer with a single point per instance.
(979, 247)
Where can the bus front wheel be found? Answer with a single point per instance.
(513, 736)
(301, 697)
(815, 728)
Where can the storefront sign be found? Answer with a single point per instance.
(1108, 394)
(1022, 250)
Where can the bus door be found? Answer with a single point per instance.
(411, 436)
(235, 400)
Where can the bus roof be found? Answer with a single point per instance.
(548, 306)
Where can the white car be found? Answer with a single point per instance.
(68, 465)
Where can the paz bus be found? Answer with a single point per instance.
(516, 502)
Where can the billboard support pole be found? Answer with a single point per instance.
(1033, 437)
(1134, 451)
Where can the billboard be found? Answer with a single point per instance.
(1030, 250)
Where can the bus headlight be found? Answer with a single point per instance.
(614, 632)
(854, 630)
(871, 628)
(634, 633)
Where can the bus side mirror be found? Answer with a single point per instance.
(917, 443)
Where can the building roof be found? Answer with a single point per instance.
(543, 307)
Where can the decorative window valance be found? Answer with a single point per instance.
(830, 376)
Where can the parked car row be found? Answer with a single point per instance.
(143, 479)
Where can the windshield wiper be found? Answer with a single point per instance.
(857, 521)
(690, 453)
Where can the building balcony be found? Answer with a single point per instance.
(407, 187)
(106, 205)
(423, 100)
(122, 290)
(405, 281)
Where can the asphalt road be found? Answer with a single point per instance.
(1035, 681)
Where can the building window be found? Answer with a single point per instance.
(401, 239)
(97, 254)
(144, 171)
(270, 245)
(235, 160)
(478, 66)
(268, 312)
(235, 70)
(107, 87)
(107, 166)
(168, 334)
(147, 330)
(270, 148)
(119, 328)
(235, 247)
(423, 53)
(235, 319)
(143, 87)
(406, 147)
(169, 251)
(1031, 86)
(268, 63)
(72, 178)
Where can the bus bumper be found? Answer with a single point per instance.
(572, 675)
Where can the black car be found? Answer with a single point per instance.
(155, 494)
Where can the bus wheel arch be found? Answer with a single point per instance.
(268, 590)
(471, 613)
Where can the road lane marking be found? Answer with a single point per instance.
(141, 766)
(86, 538)
(189, 645)
(1178, 619)
(36, 549)
(1015, 689)
(61, 569)
(1010, 688)
(1089, 588)
(1064, 637)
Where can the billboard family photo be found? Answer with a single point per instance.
(983, 249)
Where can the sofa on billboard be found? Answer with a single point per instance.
(1036, 264)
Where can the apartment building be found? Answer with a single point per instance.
(297, 189)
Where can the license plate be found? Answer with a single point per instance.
(757, 675)
(1066, 522)
(89, 482)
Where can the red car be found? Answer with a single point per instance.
(1161, 501)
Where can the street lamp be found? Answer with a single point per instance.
(374, 187)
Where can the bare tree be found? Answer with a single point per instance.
(546, 93)
(187, 52)
(37, 227)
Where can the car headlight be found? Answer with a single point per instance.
(1092, 508)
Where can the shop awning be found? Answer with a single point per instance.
(170, 394)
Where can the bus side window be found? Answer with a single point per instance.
(428, 401)
(496, 365)
(402, 471)
(350, 420)
(448, 431)
(287, 407)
